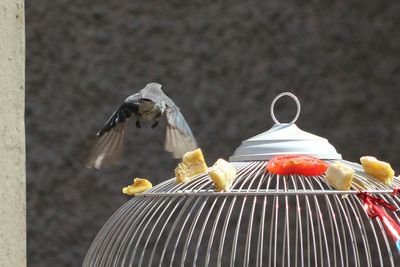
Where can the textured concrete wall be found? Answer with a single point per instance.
(222, 62)
(12, 135)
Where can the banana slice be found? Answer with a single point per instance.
(223, 174)
(339, 176)
(139, 186)
(192, 164)
(379, 169)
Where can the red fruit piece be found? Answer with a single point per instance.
(296, 164)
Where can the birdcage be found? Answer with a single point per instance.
(264, 220)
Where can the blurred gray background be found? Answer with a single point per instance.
(222, 62)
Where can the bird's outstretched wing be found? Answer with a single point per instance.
(120, 115)
(109, 148)
(179, 138)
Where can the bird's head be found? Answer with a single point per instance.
(155, 87)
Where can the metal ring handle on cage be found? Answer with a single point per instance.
(295, 100)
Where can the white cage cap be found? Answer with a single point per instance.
(284, 139)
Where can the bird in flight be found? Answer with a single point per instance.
(149, 104)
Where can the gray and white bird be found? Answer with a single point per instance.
(148, 104)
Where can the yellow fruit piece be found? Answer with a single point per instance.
(379, 169)
(192, 164)
(139, 186)
(339, 176)
(223, 174)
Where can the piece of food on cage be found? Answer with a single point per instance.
(192, 164)
(139, 185)
(296, 164)
(377, 168)
(223, 174)
(339, 176)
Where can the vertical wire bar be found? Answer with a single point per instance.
(385, 238)
(250, 224)
(340, 209)
(109, 241)
(172, 230)
(138, 227)
(196, 181)
(137, 222)
(227, 218)
(360, 222)
(211, 239)
(92, 257)
(276, 221)
(177, 219)
(375, 234)
(260, 247)
(286, 233)
(191, 230)
(164, 224)
(288, 228)
(224, 228)
(284, 226)
(317, 216)
(117, 217)
(322, 225)
(235, 238)
(122, 218)
(260, 243)
(236, 235)
(394, 215)
(299, 227)
(334, 228)
(245, 168)
(182, 228)
(273, 214)
(96, 246)
(202, 232)
(352, 234)
(147, 224)
(308, 235)
(157, 204)
(384, 233)
(125, 233)
(310, 224)
(344, 223)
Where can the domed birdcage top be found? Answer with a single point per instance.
(284, 139)
(265, 219)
